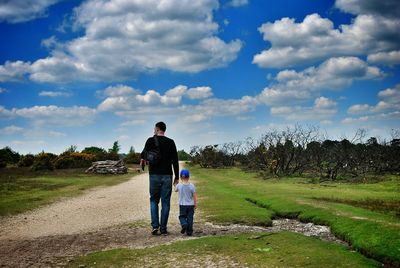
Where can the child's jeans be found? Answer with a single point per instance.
(186, 218)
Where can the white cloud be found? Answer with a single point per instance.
(16, 11)
(280, 95)
(199, 93)
(386, 58)
(388, 8)
(54, 94)
(11, 130)
(389, 101)
(323, 109)
(126, 38)
(56, 116)
(14, 71)
(126, 98)
(395, 115)
(5, 113)
(135, 122)
(324, 103)
(152, 103)
(359, 109)
(120, 90)
(387, 108)
(238, 3)
(3, 90)
(316, 39)
(333, 74)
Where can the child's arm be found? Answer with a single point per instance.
(195, 199)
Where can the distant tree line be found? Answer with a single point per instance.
(298, 150)
(72, 158)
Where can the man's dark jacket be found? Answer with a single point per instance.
(169, 156)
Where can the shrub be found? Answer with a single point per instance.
(99, 153)
(74, 160)
(8, 156)
(2, 164)
(132, 158)
(26, 160)
(44, 161)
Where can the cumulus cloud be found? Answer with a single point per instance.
(388, 107)
(119, 90)
(333, 74)
(315, 38)
(395, 115)
(153, 103)
(237, 3)
(389, 8)
(14, 71)
(52, 115)
(211, 108)
(389, 101)
(126, 98)
(5, 113)
(386, 58)
(323, 109)
(17, 11)
(54, 93)
(359, 109)
(10, 130)
(123, 39)
(199, 93)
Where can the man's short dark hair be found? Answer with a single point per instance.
(161, 126)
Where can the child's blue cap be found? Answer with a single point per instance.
(185, 173)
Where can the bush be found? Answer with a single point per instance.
(132, 158)
(44, 161)
(26, 160)
(74, 160)
(2, 164)
(8, 156)
(100, 153)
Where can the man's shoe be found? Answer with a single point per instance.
(164, 233)
(154, 231)
(189, 234)
(183, 230)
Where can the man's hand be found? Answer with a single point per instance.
(176, 181)
(142, 163)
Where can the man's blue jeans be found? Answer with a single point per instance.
(160, 187)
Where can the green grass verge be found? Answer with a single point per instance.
(283, 249)
(231, 195)
(22, 190)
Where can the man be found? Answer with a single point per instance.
(161, 176)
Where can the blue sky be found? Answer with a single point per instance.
(87, 73)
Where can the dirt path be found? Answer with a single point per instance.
(92, 211)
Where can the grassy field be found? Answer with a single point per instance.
(232, 195)
(229, 196)
(22, 189)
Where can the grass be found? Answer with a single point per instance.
(373, 233)
(283, 249)
(22, 189)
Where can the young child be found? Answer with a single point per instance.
(187, 202)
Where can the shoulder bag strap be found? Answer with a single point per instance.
(156, 141)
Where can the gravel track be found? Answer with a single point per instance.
(96, 209)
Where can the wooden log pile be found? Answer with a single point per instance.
(108, 167)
